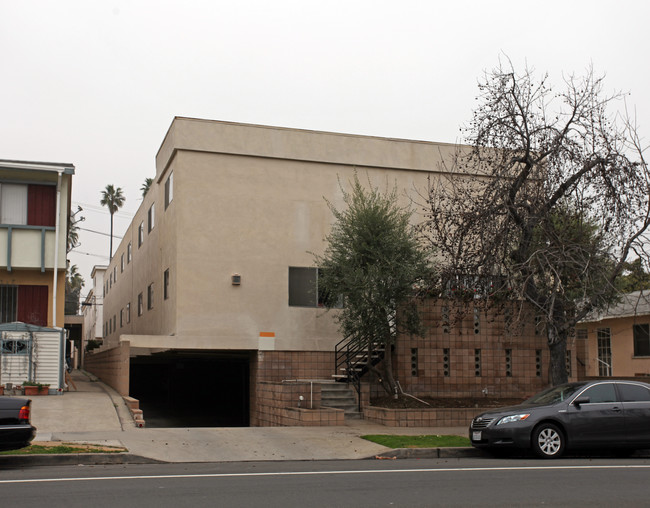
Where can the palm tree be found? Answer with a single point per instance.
(146, 186)
(74, 282)
(113, 199)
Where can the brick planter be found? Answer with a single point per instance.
(36, 390)
(435, 417)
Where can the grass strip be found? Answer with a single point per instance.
(63, 448)
(427, 441)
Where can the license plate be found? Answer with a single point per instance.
(476, 436)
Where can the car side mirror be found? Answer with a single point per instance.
(581, 400)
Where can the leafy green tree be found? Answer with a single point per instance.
(113, 199)
(374, 264)
(146, 186)
(74, 282)
(548, 200)
(634, 277)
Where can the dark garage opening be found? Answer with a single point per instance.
(190, 389)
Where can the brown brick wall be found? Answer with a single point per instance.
(112, 366)
(426, 373)
(421, 417)
(277, 405)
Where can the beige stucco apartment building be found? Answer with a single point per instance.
(92, 307)
(213, 287)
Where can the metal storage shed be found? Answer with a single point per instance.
(32, 353)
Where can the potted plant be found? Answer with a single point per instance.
(32, 388)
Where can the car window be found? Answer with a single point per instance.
(633, 393)
(603, 392)
(555, 394)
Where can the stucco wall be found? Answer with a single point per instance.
(624, 363)
(248, 200)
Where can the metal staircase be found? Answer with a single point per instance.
(353, 354)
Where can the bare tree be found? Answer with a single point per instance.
(546, 203)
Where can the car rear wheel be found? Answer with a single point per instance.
(548, 441)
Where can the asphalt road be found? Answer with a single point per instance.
(368, 483)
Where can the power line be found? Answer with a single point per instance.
(101, 233)
(101, 209)
(87, 254)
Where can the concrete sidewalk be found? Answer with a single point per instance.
(95, 413)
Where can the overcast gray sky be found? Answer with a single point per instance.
(97, 83)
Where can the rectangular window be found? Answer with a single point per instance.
(33, 205)
(110, 280)
(140, 305)
(8, 304)
(141, 234)
(122, 263)
(121, 318)
(128, 253)
(166, 284)
(115, 274)
(581, 333)
(604, 338)
(114, 323)
(23, 303)
(150, 218)
(14, 346)
(128, 313)
(150, 297)
(169, 189)
(641, 340)
(304, 290)
(13, 204)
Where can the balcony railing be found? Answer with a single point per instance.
(24, 246)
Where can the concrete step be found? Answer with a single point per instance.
(340, 396)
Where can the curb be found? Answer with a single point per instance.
(73, 459)
(430, 453)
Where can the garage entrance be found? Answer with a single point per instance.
(192, 389)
